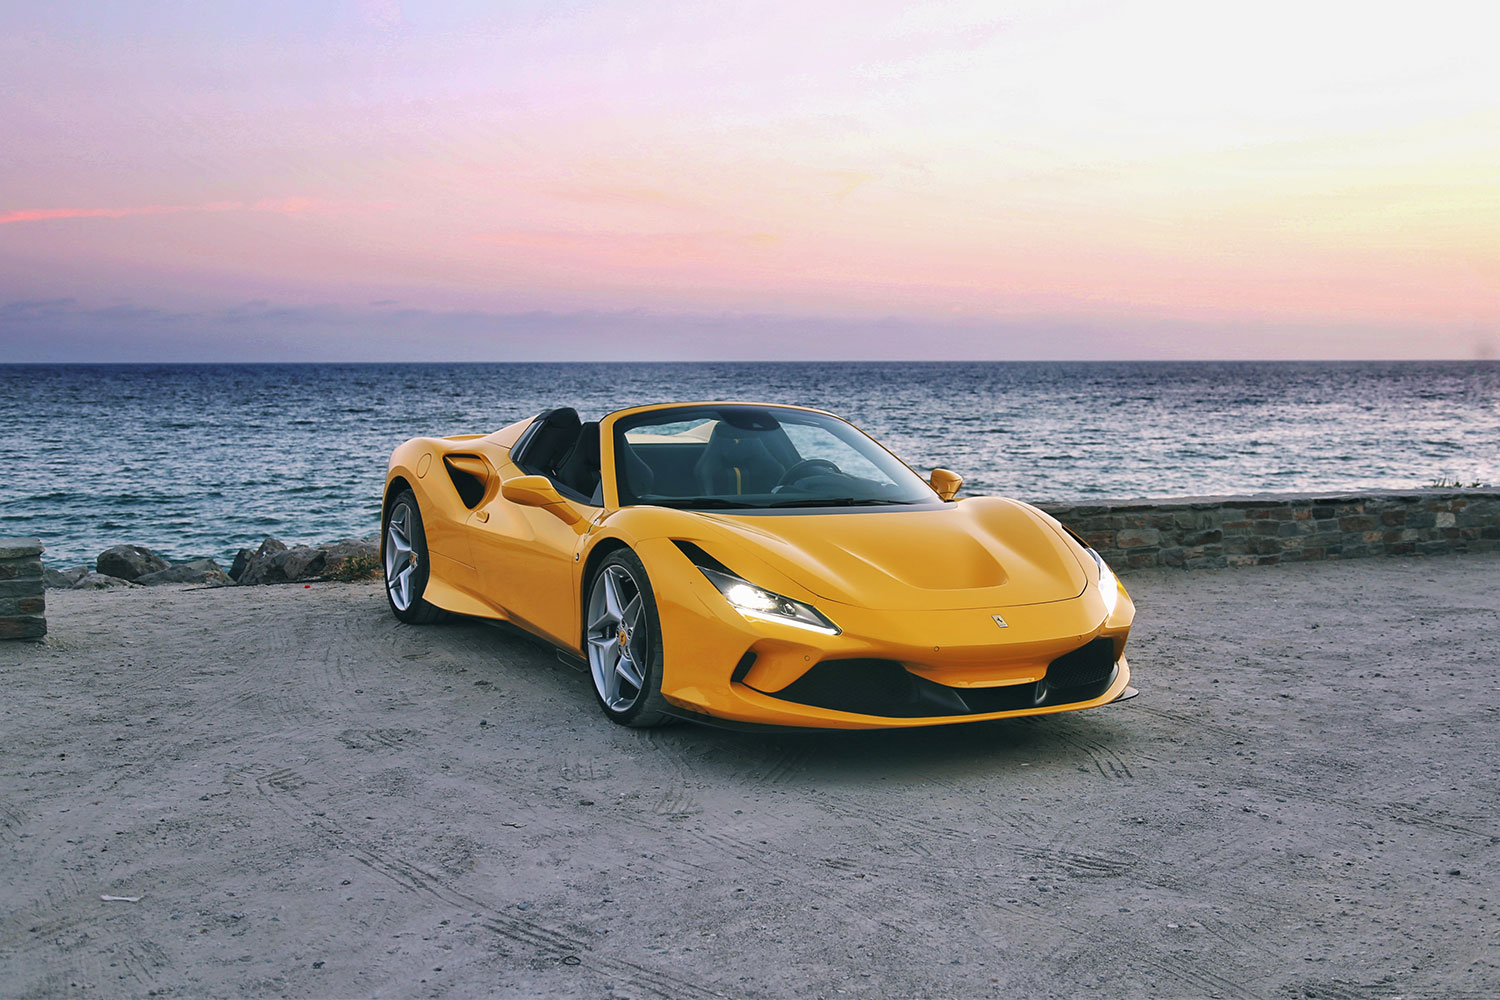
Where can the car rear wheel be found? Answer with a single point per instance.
(622, 636)
(404, 556)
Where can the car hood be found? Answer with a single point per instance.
(979, 552)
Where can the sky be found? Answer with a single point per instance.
(383, 180)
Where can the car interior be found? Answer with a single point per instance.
(744, 452)
(733, 461)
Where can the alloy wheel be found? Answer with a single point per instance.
(400, 558)
(618, 643)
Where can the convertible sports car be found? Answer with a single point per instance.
(744, 563)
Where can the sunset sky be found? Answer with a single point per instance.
(488, 181)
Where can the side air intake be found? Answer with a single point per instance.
(471, 477)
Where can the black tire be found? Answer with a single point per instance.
(646, 708)
(407, 517)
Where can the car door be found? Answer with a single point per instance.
(526, 560)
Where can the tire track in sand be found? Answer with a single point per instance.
(78, 947)
(279, 788)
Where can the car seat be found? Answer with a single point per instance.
(735, 462)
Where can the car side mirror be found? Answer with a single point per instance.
(538, 491)
(945, 483)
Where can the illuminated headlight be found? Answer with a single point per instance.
(754, 602)
(1109, 587)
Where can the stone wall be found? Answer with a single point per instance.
(1261, 529)
(22, 606)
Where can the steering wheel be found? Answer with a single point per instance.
(806, 468)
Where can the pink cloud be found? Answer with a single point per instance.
(606, 243)
(623, 195)
(709, 255)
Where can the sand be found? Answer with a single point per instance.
(305, 798)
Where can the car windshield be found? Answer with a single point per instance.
(749, 457)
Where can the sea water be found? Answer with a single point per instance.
(198, 460)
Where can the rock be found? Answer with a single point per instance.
(127, 562)
(21, 548)
(23, 626)
(345, 559)
(63, 579)
(198, 571)
(351, 559)
(1128, 538)
(261, 566)
(302, 562)
(100, 581)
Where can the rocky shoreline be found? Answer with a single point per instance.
(273, 561)
(1185, 532)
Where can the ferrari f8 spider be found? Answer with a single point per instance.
(754, 564)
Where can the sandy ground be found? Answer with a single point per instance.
(312, 800)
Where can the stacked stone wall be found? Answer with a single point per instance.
(1263, 529)
(22, 605)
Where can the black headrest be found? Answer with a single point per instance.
(586, 447)
(727, 442)
(563, 418)
(580, 467)
(555, 433)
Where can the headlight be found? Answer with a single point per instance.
(1109, 587)
(758, 603)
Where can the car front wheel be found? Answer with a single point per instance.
(622, 636)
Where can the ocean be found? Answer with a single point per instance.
(199, 460)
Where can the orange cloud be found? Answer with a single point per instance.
(848, 181)
(279, 206)
(47, 214)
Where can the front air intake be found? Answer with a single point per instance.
(1089, 665)
(873, 687)
(887, 689)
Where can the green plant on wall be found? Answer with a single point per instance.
(357, 568)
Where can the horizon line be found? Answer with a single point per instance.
(765, 361)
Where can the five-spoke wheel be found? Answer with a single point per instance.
(623, 642)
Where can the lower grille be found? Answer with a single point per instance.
(887, 689)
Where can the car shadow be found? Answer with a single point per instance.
(1097, 741)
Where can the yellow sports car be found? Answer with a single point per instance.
(745, 563)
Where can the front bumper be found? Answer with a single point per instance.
(890, 669)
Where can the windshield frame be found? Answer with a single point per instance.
(910, 489)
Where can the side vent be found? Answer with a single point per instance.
(471, 477)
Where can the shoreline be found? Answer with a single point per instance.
(346, 560)
(197, 463)
(1194, 532)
